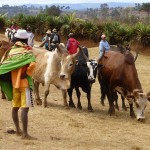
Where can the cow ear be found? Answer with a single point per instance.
(61, 49)
(148, 96)
(100, 65)
(130, 98)
(58, 48)
(76, 62)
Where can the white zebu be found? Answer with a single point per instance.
(53, 68)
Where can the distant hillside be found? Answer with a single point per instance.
(82, 6)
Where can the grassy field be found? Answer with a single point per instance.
(58, 128)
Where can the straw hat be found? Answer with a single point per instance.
(54, 30)
(48, 32)
(21, 34)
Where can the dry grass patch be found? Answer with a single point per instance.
(58, 128)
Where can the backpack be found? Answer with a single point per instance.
(55, 39)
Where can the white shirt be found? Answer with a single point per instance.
(30, 39)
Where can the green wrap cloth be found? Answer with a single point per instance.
(18, 56)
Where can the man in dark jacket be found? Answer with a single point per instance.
(55, 39)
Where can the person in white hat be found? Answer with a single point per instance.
(21, 72)
(103, 45)
(21, 35)
(46, 40)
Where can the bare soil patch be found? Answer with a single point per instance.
(58, 128)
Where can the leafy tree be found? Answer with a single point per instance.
(53, 10)
(115, 14)
(104, 10)
(2, 22)
(142, 34)
(146, 7)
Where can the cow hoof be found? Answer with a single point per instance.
(39, 102)
(133, 116)
(90, 110)
(102, 103)
(79, 107)
(124, 108)
(66, 107)
(117, 107)
(45, 104)
(111, 112)
(72, 105)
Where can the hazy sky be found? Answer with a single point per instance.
(11, 2)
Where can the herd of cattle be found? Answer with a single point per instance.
(116, 73)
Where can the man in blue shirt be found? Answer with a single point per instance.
(103, 45)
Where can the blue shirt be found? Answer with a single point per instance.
(103, 46)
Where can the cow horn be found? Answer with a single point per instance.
(98, 60)
(136, 56)
(136, 92)
(76, 54)
(59, 49)
(83, 54)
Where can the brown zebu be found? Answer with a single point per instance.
(122, 49)
(119, 72)
(53, 68)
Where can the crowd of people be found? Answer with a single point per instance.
(52, 38)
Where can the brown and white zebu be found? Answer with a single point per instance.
(119, 72)
(53, 68)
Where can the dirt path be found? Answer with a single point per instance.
(57, 128)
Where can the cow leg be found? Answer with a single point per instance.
(103, 95)
(89, 101)
(3, 95)
(132, 114)
(78, 96)
(123, 103)
(64, 94)
(115, 97)
(116, 104)
(111, 110)
(71, 103)
(36, 93)
(47, 85)
(102, 89)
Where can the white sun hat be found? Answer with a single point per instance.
(21, 34)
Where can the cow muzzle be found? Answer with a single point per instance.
(141, 117)
(92, 81)
(62, 76)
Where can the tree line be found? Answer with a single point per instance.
(117, 32)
